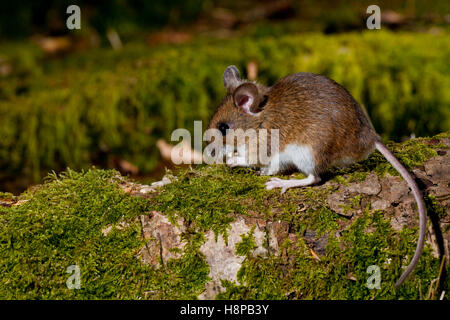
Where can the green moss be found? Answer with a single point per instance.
(190, 272)
(342, 272)
(100, 105)
(61, 226)
(442, 135)
(322, 220)
(357, 177)
(354, 203)
(411, 153)
(262, 278)
(247, 245)
(433, 208)
(206, 198)
(7, 196)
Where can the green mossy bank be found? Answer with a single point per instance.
(103, 105)
(60, 223)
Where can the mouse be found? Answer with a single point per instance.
(319, 126)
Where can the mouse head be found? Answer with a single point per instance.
(243, 104)
(242, 107)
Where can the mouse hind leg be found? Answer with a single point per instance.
(291, 183)
(299, 156)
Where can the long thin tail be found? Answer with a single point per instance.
(420, 204)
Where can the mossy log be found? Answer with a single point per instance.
(215, 232)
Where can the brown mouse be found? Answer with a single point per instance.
(320, 126)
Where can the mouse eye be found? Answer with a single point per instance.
(223, 127)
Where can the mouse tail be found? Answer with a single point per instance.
(420, 204)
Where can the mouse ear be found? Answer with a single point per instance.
(247, 98)
(231, 78)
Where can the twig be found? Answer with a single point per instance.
(420, 290)
(441, 268)
(430, 289)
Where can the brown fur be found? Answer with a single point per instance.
(312, 110)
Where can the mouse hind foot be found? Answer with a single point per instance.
(291, 183)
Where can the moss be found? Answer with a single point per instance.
(247, 245)
(100, 105)
(322, 220)
(61, 226)
(342, 272)
(354, 204)
(433, 208)
(7, 196)
(207, 197)
(442, 135)
(263, 279)
(411, 153)
(357, 177)
(190, 272)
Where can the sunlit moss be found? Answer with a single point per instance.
(247, 245)
(60, 225)
(342, 272)
(100, 105)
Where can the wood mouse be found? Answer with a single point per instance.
(320, 126)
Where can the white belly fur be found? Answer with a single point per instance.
(300, 156)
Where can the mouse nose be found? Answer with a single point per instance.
(223, 127)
